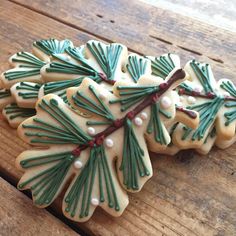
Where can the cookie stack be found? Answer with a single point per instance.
(96, 110)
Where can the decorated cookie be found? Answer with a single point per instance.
(162, 67)
(215, 102)
(26, 68)
(103, 156)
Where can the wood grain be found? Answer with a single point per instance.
(146, 29)
(188, 195)
(19, 217)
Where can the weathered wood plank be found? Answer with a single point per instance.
(146, 29)
(19, 217)
(187, 196)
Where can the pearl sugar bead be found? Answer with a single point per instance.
(143, 115)
(191, 100)
(91, 131)
(109, 142)
(166, 102)
(138, 121)
(78, 164)
(95, 201)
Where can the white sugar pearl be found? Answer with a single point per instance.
(95, 201)
(138, 121)
(143, 115)
(226, 94)
(102, 95)
(166, 102)
(109, 142)
(78, 164)
(91, 131)
(198, 89)
(68, 58)
(191, 100)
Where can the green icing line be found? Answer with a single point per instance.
(230, 115)
(131, 95)
(98, 108)
(155, 124)
(14, 111)
(13, 75)
(83, 186)
(136, 67)
(202, 73)
(28, 95)
(107, 57)
(211, 134)
(132, 163)
(60, 87)
(4, 93)
(33, 90)
(65, 132)
(162, 66)
(27, 59)
(172, 129)
(69, 67)
(98, 122)
(29, 63)
(78, 55)
(50, 46)
(207, 113)
(46, 184)
(66, 66)
(186, 87)
(229, 87)
(42, 160)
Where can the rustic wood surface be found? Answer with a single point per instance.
(189, 194)
(19, 216)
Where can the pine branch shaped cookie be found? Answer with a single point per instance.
(104, 155)
(215, 102)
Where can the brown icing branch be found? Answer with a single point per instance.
(105, 79)
(207, 96)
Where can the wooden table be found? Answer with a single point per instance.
(189, 194)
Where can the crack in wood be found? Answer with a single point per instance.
(190, 50)
(217, 60)
(100, 16)
(160, 39)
